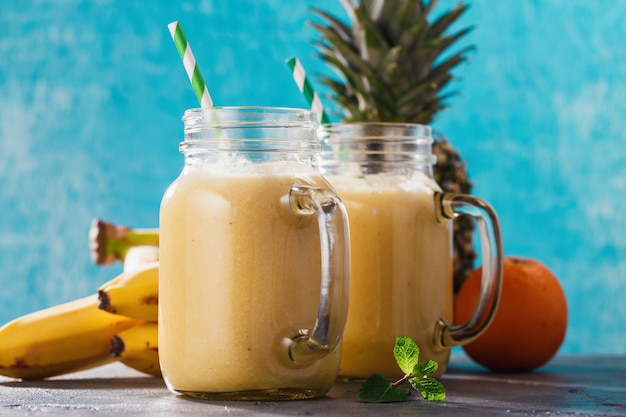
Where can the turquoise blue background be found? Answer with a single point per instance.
(91, 94)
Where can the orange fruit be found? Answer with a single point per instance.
(530, 323)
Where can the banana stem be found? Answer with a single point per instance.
(109, 242)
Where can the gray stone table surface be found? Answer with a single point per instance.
(567, 386)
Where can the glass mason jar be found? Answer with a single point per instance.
(401, 246)
(254, 259)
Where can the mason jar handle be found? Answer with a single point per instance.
(449, 206)
(312, 344)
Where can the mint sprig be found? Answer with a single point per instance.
(378, 389)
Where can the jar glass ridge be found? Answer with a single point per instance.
(374, 148)
(260, 132)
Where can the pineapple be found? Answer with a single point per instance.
(393, 69)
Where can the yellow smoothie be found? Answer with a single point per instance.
(239, 273)
(401, 281)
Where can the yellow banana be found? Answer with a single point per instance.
(58, 340)
(137, 256)
(138, 348)
(133, 293)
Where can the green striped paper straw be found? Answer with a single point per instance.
(191, 67)
(301, 79)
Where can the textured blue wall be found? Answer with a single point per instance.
(91, 94)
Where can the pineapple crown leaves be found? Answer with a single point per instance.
(390, 59)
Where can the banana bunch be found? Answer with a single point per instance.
(135, 293)
(118, 323)
(138, 348)
(61, 339)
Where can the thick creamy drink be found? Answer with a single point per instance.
(239, 272)
(401, 282)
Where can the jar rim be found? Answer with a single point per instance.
(388, 143)
(417, 129)
(242, 115)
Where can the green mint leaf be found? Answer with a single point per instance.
(424, 369)
(406, 353)
(431, 389)
(378, 389)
